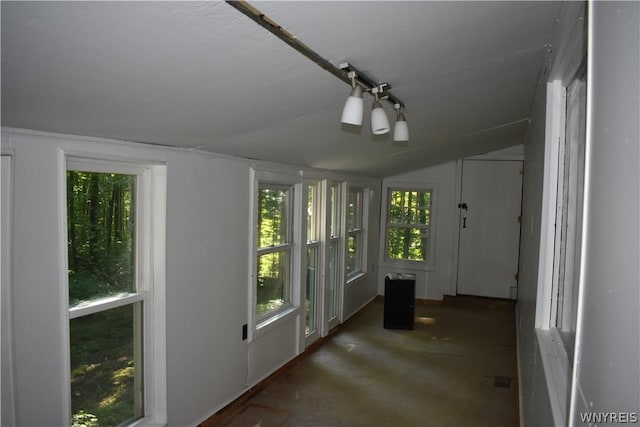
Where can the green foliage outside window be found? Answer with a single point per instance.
(354, 231)
(354, 208)
(101, 254)
(273, 282)
(272, 217)
(409, 217)
(102, 367)
(310, 303)
(101, 224)
(273, 268)
(352, 262)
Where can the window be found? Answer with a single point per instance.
(313, 259)
(355, 233)
(115, 330)
(564, 304)
(560, 239)
(335, 258)
(274, 249)
(408, 224)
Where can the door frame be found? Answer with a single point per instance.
(507, 154)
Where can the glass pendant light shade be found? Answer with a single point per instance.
(401, 130)
(353, 109)
(379, 120)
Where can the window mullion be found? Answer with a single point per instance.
(103, 304)
(399, 225)
(273, 249)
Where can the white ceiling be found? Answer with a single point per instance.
(202, 75)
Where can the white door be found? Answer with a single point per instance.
(489, 228)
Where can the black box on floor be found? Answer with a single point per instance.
(399, 301)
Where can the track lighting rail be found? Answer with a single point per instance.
(340, 72)
(368, 84)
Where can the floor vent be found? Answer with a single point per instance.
(503, 382)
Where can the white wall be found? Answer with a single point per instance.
(535, 409)
(441, 280)
(207, 292)
(607, 377)
(208, 196)
(607, 372)
(566, 50)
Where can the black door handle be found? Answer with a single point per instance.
(464, 222)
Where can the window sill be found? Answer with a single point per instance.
(355, 278)
(147, 422)
(408, 265)
(557, 372)
(274, 321)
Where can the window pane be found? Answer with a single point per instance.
(311, 214)
(353, 253)
(101, 234)
(407, 243)
(409, 207)
(334, 225)
(106, 373)
(312, 276)
(273, 283)
(272, 217)
(333, 277)
(354, 209)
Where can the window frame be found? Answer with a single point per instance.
(556, 352)
(150, 261)
(428, 263)
(286, 247)
(358, 231)
(336, 219)
(259, 325)
(314, 243)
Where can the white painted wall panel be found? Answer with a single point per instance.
(207, 270)
(608, 343)
(532, 381)
(607, 363)
(270, 351)
(38, 299)
(7, 410)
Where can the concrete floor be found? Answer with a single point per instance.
(456, 368)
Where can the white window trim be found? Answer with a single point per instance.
(557, 366)
(555, 363)
(361, 231)
(318, 245)
(293, 179)
(400, 264)
(151, 262)
(339, 240)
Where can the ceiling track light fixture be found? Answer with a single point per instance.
(379, 120)
(401, 129)
(352, 112)
(354, 107)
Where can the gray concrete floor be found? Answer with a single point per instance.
(456, 368)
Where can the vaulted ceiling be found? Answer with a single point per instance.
(202, 75)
